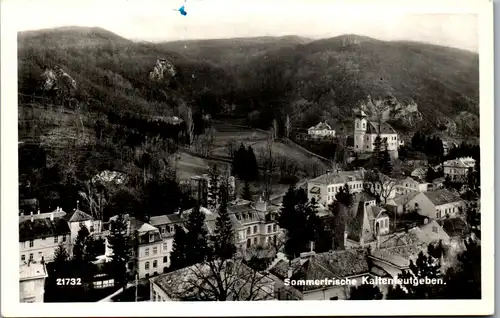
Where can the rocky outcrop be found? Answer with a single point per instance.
(390, 109)
(56, 79)
(163, 69)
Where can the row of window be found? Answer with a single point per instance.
(245, 216)
(40, 256)
(167, 229)
(155, 263)
(56, 240)
(446, 211)
(384, 223)
(351, 186)
(268, 239)
(155, 249)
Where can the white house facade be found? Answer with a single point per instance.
(457, 169)
(32, 282)
(321, 130)
(365, 133)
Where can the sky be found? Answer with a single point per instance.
(158, 20)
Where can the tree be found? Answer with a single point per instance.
(96, 199)
(385, 160)
(80, 246)
(61, 255)
(252, 170)
(365, 292)
(379, 185)
(119, 242)
(425, 267)
(463, 281)
(223, 240)
(179, 247)
(377, 151)
(213, 191)
(288, 126)
(222, 280)
(196, 237)
(246, 192)
(344, 196)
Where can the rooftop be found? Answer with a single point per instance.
(321, 126)
(385, 128)
(339, 177)
(340, 263)
(400, 255)
(41, 228)
(56, 213)
(403, 199)
(77, 216)
(442, 196)
(32, 271)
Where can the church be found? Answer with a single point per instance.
(365, 132)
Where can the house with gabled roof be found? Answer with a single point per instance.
(78, 218)
(40, 235)
(447, 204)
(325, 187)
(394, 260)
(321, 130)
(457, 169)
(350, 264)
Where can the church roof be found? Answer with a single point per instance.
(385, 128)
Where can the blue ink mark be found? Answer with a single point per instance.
(182, 10)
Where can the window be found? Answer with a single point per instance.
(56, 239)
(151, 237)
(146, 266)
(23, 258)
(91, 228)
(172, 229)
(31, 243)
(248, 231)
(269, 229)
(357, 125)
(162, 230)
(165, 246)
(364, 125)
(255, 241)
(238, 217)
(146, 252)
(274, 227)
(434, 229)
(155, 250)
(155, 263)
(165, 259)
(64, 238)
(255, 229)
(31, 256)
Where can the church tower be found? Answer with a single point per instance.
(360, 123)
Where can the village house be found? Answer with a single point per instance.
(365, 133)
(321, 130)
(368, 223)
(325, 187)
(409, 185)
(419, 173)
(32, 277)
(166, 225)
(457, 169)
(78, 218)
(350, 264)
(428, 233)
(254, 224)
(394, 260)
(192, 283)
(431, 204)
(41, 234)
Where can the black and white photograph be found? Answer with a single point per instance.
(200, 151)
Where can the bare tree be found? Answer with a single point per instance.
(288, 126)
(380, 185)
(189, 124)
(231, 146)
(221, 280)
(96, 200)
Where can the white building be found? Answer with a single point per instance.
(408, 185)
(76, 219)
(32, 282)
(321, 130)
(254, 224)
(366, 131)
(457, 169)
(41, 234)
(325, 187)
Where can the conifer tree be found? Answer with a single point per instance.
(80, 246)
(253, 168)
(120, 243)
(196, 237)
(61, 255)
(178, 255)
(213, 189)
(246, 192)
(224, 247)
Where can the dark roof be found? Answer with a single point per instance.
(340, 263)
(40, 228)
(442, 196)
(454, 226)
(77, 216)
(385, 128)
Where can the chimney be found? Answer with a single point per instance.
(52, 216)
(38, 211)
(304, 257)
(31, 214)
(290, 273)
(345, 239)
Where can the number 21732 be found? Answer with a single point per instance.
(68, 281)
